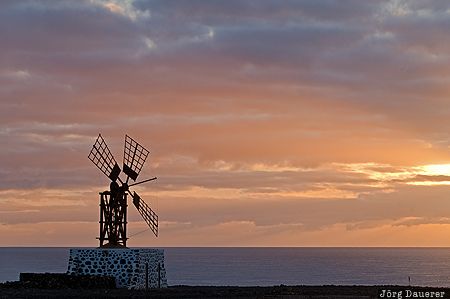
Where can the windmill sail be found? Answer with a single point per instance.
(101, 156)
(134, 156)
(146, 212)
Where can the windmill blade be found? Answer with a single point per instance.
(134, 156)
(101, 156)
(146, 212)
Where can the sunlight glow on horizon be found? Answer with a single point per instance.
(436, 169)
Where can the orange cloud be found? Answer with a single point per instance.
(270, 125)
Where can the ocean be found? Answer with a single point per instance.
(267, 266)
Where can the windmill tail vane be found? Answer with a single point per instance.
(113, 203)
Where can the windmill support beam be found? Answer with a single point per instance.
(113, 220)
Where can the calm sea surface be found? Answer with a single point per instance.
(267, 266)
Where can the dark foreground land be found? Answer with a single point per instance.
(343, 292)
(61, 285)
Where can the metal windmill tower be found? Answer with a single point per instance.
(113, 203)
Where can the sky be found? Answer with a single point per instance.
(269, 123)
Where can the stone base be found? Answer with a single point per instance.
(128, 266)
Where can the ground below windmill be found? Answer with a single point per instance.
(14, 290)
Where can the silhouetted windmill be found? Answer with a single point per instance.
(113, 203)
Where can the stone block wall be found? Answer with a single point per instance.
(128, 266)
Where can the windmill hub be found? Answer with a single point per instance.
(113, 203)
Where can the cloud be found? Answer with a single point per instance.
(303, 117)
